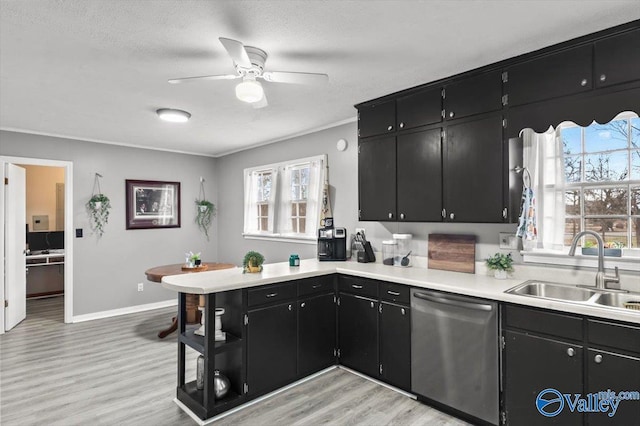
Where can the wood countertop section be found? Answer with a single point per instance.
(157, 273)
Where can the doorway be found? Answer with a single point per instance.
(64, 195)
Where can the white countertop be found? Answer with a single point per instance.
(477, 285)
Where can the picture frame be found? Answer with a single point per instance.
(152, 204)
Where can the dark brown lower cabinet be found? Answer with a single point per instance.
(534, 364)
(358, 333)
(271, 347)
(395, 345)
(316, 333)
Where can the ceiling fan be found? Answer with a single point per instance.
(249, 64)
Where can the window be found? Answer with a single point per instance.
(282, 201)
(602, 181)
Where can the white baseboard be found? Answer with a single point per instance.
(125, 311)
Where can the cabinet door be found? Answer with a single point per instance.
(419, 174)
(420, 108)
(473, 173)
(474, 95)
(377, 178)
(552, 76)
(316, 334)
(617, 59)
(533, 364)
(377, 119)
(358, 333)
(395, 345)
(271, 347)
(618, 373)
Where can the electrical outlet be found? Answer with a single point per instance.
(508, 241)
(360, 230)
(140, 286)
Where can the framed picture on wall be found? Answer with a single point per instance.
(152, 204)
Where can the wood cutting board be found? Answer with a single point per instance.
(452, 252)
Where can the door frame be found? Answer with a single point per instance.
(68, 230)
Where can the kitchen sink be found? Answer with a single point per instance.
(556, 291)
(584, 296)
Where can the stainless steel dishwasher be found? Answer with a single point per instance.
(454, 352)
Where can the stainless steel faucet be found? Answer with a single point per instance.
(601, 277)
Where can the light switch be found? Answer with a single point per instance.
(78, 232)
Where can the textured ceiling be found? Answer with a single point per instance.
(97, 69)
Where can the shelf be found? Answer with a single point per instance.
(194, 399)
(196, 342)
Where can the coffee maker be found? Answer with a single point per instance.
(332, 244)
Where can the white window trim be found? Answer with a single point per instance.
(287, 237)
(630, 262)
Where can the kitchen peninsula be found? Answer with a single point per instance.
(284, 325)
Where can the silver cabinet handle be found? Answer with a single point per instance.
(598, 359)
(603, 77)
(390, 128)
(393, 293)
(451, 300)
(290, 307)
(451, 114)
(571, 352)
(272, 294)
(390, 215)
(316, 286)
(583, 82)
(372, 304)
(356, 286)
(401, 215)
(302, 304)
(402, 311)
(402, 125)
(452, 216)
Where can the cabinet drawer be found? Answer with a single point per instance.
(553, 324)
(359, 286)
(315, 285)
(396, 293)
(618, 336)
(271, 294)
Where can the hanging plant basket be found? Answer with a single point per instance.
(205, 212)
(98, 208)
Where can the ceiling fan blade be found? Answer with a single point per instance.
(295, 77)
(204, 77)
(237, 52)
(261, 103)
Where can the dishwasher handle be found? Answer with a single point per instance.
(453, 302)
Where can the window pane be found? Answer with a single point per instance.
(266, 186)
(304, 176)
(571, 228)
(571, 140)
(635, 132)
(635, 164)
(294, 225)
(611, 229)
(303, 223)
(605, 137)
(295, 177)
(264, 210)
(572, 168)
(303, 209)
(612, 166)
(294, 209)
(608, 201)
(635, 235)
(264, 224)
(635, 201)
(572, 203)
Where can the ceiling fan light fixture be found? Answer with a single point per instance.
(249, 90)
(173, 115)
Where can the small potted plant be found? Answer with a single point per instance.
(98, 208)
(252, 262)
(205, 211)
(500, 264)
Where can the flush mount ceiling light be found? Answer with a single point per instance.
(173, 115)
(249, 90)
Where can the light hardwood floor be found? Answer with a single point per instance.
(116, 371)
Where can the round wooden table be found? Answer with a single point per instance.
(193, 315)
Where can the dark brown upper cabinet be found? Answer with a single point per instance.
(617, 59)
(419, 108)
(377, 178)
(473, 95)
(559, 74)
(377, 119)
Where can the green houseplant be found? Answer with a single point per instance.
(98, 208)
(252, 262)
(500, 264)
(205, 211)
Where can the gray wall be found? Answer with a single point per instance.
(343, 177)
(106, 271)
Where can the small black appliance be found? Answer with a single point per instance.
(332, 244)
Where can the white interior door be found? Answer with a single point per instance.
(15, 277)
